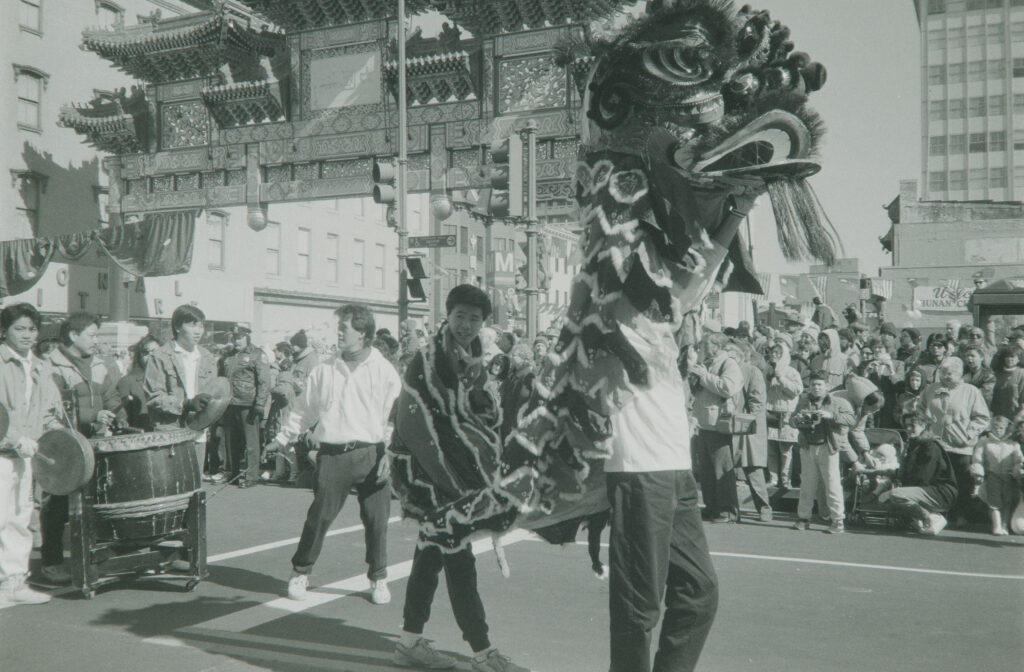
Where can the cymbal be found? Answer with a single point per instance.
(64, 461)
(219, 390)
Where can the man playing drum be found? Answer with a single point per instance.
(32, 402)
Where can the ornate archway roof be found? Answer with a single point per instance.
(434, 79)
(481, 17)
(184, 48)
(114, 124)
(242, 103)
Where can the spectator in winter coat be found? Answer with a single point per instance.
(928, 484)
(823, 420)
(716, 384)
(783, 389)
(977, 374)
(131, 388)
(910, 346)
(753, 448)
(1008, 387)
(958, 415)
(249, 373)
(831, 360)
(934, 354)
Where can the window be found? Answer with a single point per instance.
(936, 74)
(110, 14)
(379, 265)
(31, 17)
(975, 4)
(30, 84)
(957, 180)
(994, 31)
(216, 222)
(957, 144)
(936, 6)
(979, 178)
(996, 141)
(937, 38)
(937, 110)
(956, 72)
(976, 71)
(1018, 103)
(304, 245)
(29, 187)
(272, 264)
(480, 249)
(332, 256)
(996, 69)
(997, 177)
(996, 104)
(359, 263)
(937, 145)
(957, 108)
(955, 38)
(975, 35)
(976, 107)
(937, 181)
(977, 143)
(1018, 67)
(1018, 138)
(464, 239)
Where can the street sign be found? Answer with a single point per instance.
(432, 241)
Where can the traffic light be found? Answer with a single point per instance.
(415, 275)
(507, 178)
(385, 182)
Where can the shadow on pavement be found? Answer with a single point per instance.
(291, 643)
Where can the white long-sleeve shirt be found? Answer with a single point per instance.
(348, 404)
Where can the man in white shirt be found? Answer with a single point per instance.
(658, 553)
(349, 398)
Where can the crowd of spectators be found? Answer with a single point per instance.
(955, 398)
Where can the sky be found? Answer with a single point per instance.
(871, 107)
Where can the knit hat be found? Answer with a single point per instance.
(889, 328)
(299, 340)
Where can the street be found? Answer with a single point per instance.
(871, 599)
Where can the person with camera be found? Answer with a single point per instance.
(823, 420)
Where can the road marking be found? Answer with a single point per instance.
(220, 557)
(859, 565)
(251, 617)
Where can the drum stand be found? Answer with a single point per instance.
(95, 563)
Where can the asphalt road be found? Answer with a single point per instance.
(872, 599)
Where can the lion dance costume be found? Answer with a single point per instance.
(692, 112)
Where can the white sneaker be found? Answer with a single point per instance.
(379, 592)
(936, 523)
(297, 585)
(496, 662)
(16, 591)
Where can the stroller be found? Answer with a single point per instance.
(863, 487)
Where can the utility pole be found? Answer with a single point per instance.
(529, 134)
(403, 161)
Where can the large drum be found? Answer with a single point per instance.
(142, 484)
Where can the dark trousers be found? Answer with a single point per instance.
(658, 549)
(717, 463)
(243, 442)
(336, 475)
(460, 577)
(758, 489)
(966, 504)
(53, 515)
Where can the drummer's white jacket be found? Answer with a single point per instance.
(346, 404)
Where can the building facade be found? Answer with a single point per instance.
(943, 250)
(972, 99)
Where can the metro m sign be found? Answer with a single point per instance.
(504, 273)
